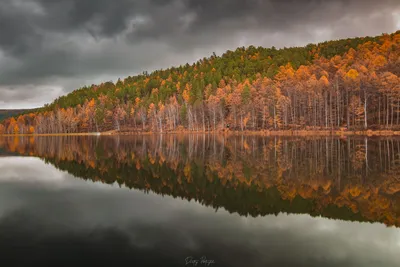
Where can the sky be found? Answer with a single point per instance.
(48, 48)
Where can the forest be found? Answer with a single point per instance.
(349, 84)
(353, 178)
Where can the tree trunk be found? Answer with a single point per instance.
(365, 113)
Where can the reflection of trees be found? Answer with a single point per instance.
(350, 178)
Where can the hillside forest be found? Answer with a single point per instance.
(349, 84)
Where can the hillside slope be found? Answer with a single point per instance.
(352, 83)
(6, 113)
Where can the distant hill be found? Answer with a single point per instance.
(6, 113)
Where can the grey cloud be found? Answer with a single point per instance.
(17, 33)
(17, 96)
(63, 43)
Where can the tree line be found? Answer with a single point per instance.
(344, 84)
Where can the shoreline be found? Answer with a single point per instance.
(259, 133)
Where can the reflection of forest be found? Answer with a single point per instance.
(350, 179)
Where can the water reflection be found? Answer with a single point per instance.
(349, 179)
(48, 215)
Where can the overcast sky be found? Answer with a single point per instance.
(51, 47)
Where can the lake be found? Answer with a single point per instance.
(199, 200)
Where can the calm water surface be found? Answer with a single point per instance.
(168, 200)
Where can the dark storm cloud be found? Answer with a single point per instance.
(220, 18)
(69, 43)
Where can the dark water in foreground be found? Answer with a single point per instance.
(173, 200)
